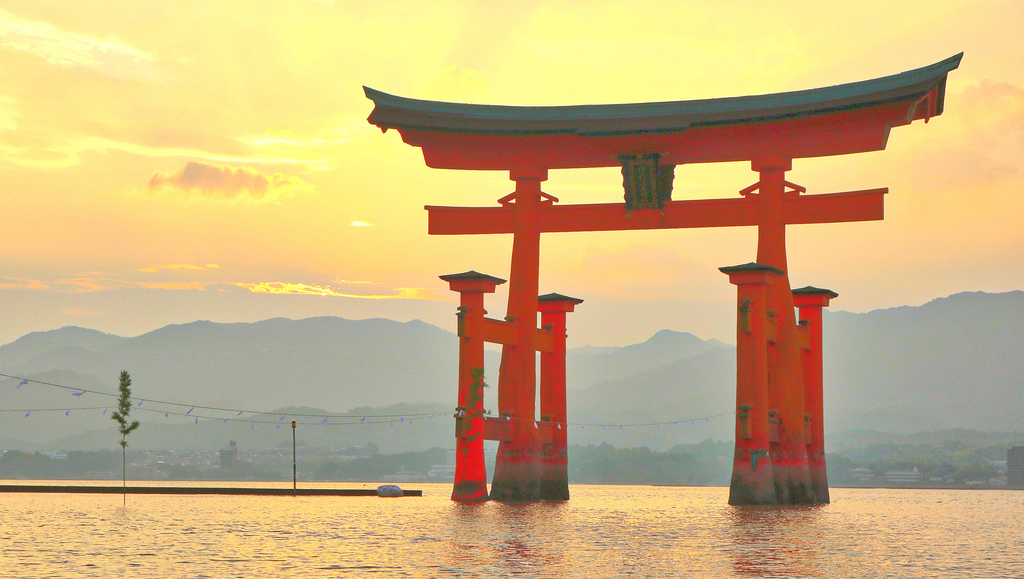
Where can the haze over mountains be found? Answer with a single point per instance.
(955, 362)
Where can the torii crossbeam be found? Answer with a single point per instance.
(775, 409)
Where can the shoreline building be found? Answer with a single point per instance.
(1015, 466)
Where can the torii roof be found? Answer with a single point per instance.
(833, 120)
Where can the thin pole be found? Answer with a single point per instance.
(295, 470)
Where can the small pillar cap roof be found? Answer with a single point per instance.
(811, 290)
(751, 268)
(553, 297)
(472, 275)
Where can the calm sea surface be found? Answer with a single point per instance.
(604, 531)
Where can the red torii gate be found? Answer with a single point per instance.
(779, 448)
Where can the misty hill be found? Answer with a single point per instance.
(955, 362)
(588, 365)
(70, 340)
(325, 362)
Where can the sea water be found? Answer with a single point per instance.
(603, 531)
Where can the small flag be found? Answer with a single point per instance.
(197, 420)
(225, 421)
(324, 421)
(252, 426)
(283, 417)
(26, 414)
(165, 415)
(363, 419)
(23, 382)
(279, 427)
(67, 413)
(559, 426)
(105, 411)
(78, 393)
(140, 403)
(401, 419)
(535, 425)
(190, 411)
(239, 413)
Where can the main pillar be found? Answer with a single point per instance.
(554, 483)
(811, 300)
(785, 372)
(752, 473)
(517, 466)
(470, 470)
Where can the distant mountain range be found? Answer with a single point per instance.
(955, 362)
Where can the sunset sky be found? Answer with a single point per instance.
(164, 162)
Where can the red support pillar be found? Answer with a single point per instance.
(470, 471)
(785, 371)
(555, 462)
(517, 467)
(811, 300)
(752, 471)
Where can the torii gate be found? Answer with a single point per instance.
(778, 387)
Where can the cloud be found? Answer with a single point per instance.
(89, 284)
(361, 224)
(978, 140)
(224, 183)
(173, 285)
(176, 266)
(58, 47)
(21, 283)
(279, 287)
(86, 285)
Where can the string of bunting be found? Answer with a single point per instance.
(263, 417)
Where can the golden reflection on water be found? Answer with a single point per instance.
(776, 540)
(604, 531)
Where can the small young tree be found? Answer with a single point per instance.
(120, 416)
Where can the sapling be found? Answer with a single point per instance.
(124, 408)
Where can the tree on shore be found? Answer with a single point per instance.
(124, 408)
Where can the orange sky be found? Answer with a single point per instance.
(164, 162)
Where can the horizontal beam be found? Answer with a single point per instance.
(867, 205)
(803, 337)
(507, 334)
(498, 332)
(499, 428)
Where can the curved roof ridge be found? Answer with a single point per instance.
(393, 111)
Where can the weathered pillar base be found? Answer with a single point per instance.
(554, 481)
(752, 479)
(819, 478)
(792, 477)
(517, 472)
(469, 491)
